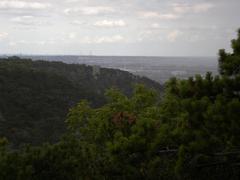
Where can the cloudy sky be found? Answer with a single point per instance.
(118, 27)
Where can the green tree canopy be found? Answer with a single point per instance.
(229, 63)
(191, 132)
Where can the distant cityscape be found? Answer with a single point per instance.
(159, 69)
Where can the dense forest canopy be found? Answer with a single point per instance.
(190, 133)
(35, 96)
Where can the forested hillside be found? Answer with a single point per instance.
(191, 133)
(35, 96)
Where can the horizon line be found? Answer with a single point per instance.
(82, 55)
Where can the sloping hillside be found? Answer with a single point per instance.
(35, 96)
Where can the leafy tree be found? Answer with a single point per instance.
(229, 63)
(35, 96)
(191, 132)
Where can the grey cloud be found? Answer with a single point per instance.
(89, 10)
(29, 21)
(156, 26)
(5, 5)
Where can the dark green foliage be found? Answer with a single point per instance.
(35, 96)
(191, 133)
(205, 121)
(62, 161)
(229, 63)
(119, 134)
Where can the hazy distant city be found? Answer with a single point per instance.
(159, 69)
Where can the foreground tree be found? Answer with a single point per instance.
(229, 63)
(206, 117)
(192, 132)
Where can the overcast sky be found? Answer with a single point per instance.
(118, 27)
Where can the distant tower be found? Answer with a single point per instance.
(95, 71)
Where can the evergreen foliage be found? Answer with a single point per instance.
(190, 133)
(35, 96)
